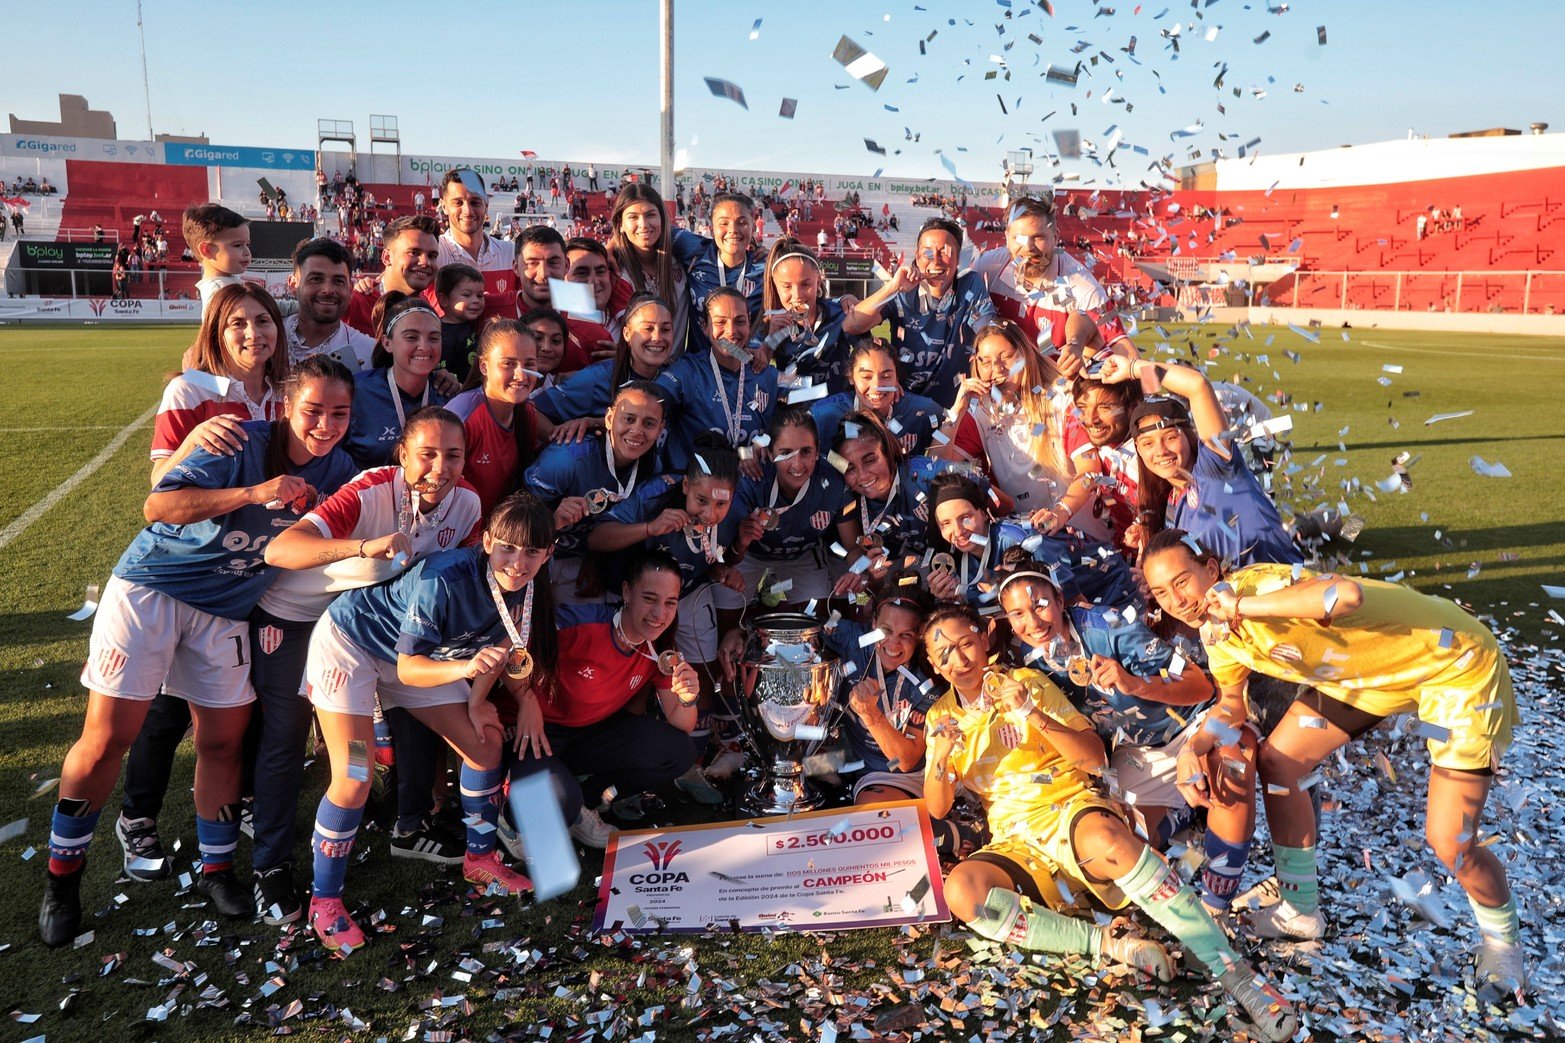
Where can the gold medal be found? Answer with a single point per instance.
(519, 666)
(1079, 670)
(992, 683)
(597, 501)
(769, 519)
(669, 661)
(942, 562)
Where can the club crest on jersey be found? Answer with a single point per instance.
(445, 536)
(501, 284)
(820, 520)
(270, 638)
(111, 661)
(334, 679)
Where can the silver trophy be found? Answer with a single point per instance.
(786, 710)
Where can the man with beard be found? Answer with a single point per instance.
(1052, 296)
(465, 202)
(410, 256)
(322, 274)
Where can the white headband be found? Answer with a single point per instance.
(801, 256)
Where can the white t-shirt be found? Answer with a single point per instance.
(209, 287)
(346, 344)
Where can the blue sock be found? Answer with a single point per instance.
(480, 804)
(217, 839)
(1224, 868)
(69, 834)
(331, 841)
(1174, 820)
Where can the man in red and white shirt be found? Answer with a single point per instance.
(410, 256)
(464, 200)
(1040, 287)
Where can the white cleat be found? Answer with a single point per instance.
(1287, 923)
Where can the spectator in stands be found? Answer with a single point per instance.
(322, 283)
(641, 246)
(221, 241)
(410, 257)
(1423, 223)
(46, 188)
(464, 199)
(97, 233)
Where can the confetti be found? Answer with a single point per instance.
(719, 89)
(1488, 470)
(788, 108)
(860, 64)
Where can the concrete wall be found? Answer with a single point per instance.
(1462, 322)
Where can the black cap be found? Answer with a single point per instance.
(1167, 410)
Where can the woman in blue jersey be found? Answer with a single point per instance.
(384, 397)
(645, 346)
(791, 514)
(714, 388)
(891, 488)
(728, 259)
(914, 419)
(173, 617)
(1146, 697)
(435, 640)
(805, 330)
(582, 479)
(693, 519)
(1190, 479)
(961, 525)
(367, 532)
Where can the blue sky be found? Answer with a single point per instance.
(580, 79)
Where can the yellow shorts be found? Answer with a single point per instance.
(1048, 857)
(1471, 720)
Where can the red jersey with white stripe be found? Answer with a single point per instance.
(195, 396)
(361, 309)
(1069, 286)
(1114, 500)
(492, 460)
(497, 260)
(594, 678)
(368, 508)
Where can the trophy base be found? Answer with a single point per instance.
(773, 794)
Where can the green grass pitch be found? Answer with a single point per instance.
(69, 391)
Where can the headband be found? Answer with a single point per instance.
(801, 256)
(421, 307)
(955, 492)
(1024, 575)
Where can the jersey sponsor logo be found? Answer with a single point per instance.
(270, 638)
(820, 520)
(445, 536)
(390, 434)
(587, 673)
(481, 461)
(110, 662)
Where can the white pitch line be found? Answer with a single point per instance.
(1457, 354)
(24, 521)
(63, 427)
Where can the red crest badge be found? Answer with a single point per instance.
(334, 679)
(820, 519)
(110, 662)
(270, 638)
(445, 536)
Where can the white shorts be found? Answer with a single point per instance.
(1146, 775)
(143, 640)
(911, 784)
(812, 581)
(697, 636)
(343, 678)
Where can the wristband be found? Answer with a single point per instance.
(361, 548)
(683, 702)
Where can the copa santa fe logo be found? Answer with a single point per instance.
(660, 853)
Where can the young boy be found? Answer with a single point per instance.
(220, 240)
(460, 290)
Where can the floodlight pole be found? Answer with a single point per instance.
(146, 91)
(666, 172)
